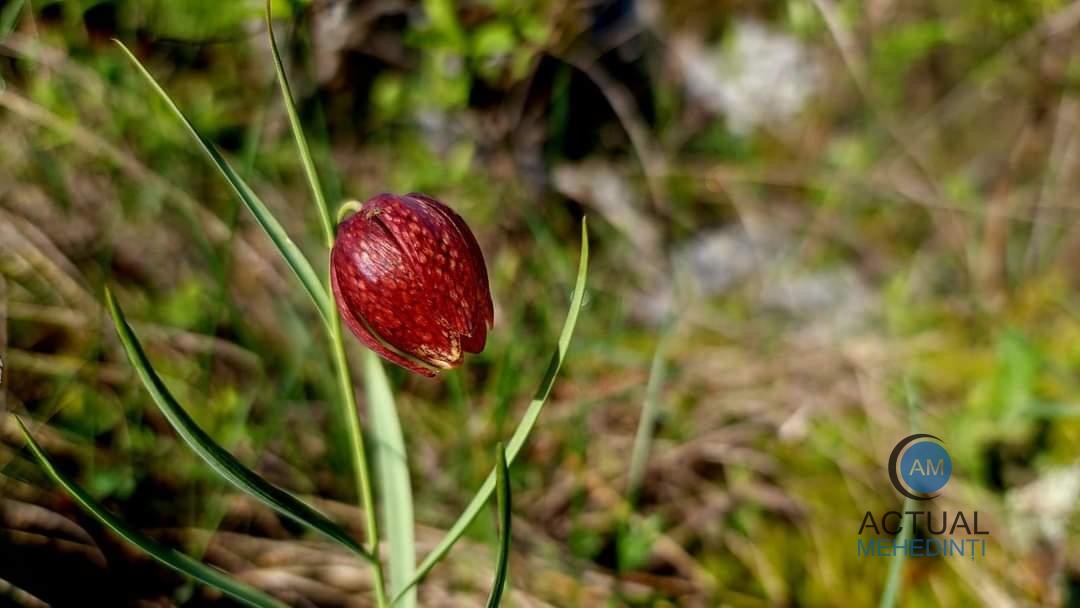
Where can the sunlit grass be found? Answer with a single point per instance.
(758, 414)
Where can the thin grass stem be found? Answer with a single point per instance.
(643, 439)
(896, 566)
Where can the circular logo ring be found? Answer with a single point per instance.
(932, 477)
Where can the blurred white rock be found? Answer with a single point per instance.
(718, 259)
(1042, 509)
(710, 264)
(829, 303)
(758, 77)
(601, 186)
(822, 304)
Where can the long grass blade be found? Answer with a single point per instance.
(392, 475)
(503, 503)
(528, 421)
(292, 254)
(894, 579)
(298, 132)
(172, 558)
(217, 457)
(639, 456)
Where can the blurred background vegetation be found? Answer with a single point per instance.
(816, 225)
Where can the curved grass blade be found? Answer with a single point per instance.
(217, 457)
(392, 475)
(172, 558)
(521, 433)
(285, 245)
(503, 500)
(298, 133)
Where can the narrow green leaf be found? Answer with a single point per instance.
(285, 245)
(172, 558)
(392, 475)
(503, 502)
(217, 457)
(298, 133)
(521, 434)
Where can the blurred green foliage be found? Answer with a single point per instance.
(776, 437)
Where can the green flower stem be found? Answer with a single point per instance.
(341, 362)
(352, 416)
(360, 464)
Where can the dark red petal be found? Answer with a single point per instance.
(475, 276)
(474, 342)
(358, 327)
(411, 282)
(383, 249)
(433, 250)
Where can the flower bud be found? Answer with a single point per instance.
(410, 282)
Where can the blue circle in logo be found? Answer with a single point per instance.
(926, 467)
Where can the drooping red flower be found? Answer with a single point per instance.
(410, 282)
